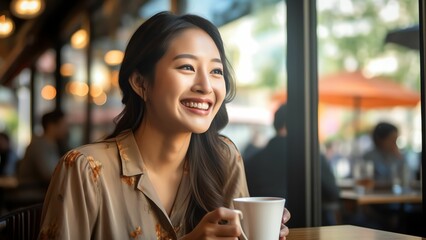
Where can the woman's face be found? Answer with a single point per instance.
(189, 86)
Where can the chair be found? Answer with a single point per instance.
(22, 223)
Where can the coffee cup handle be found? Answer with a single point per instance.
(240, 214)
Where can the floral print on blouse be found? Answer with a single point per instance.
(100, 191)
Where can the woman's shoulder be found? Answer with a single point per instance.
(91, 151)
(93, 148)
(228, 142)
(231, 148)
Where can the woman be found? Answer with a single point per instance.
(164, 173)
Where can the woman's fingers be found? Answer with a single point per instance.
(224, 222)
(286, 216)
(222, 216)
(284, 231)
(228, 230)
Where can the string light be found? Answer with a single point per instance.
(114, 57)
(79, 39)
(6, 26)
(48, 92)
(27, 9)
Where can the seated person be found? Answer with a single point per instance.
(39, 162)
(388, 161)
(165, 172)
(266, 173)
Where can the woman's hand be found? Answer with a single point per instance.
(222, 223)
(284, 229)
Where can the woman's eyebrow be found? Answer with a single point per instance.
(218, 60)
(187, 55)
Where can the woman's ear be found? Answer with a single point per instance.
(138, 84)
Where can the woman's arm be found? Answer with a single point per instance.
(236, 184)
(72, 202)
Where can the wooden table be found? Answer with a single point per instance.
(381, 197)
(362, 205)
(345, 232)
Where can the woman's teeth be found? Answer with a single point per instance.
(203, 106)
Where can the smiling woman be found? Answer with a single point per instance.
(165, 172)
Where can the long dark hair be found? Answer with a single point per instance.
(206, 153)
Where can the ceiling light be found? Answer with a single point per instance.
(6, 26)
(48, 92)
(67, 70)
(79, 39)
(114, 57)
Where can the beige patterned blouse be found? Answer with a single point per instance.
(100, 191)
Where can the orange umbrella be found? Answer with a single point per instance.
(353, 89)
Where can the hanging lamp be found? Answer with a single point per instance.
(6, 25)
(27, 9)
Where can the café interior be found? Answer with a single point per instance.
(340, 66)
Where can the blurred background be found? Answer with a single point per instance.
(68, 54)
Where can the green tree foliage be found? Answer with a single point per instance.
(363, 39)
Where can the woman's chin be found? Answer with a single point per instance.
(200, 129)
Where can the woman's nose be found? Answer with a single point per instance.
(202, 84)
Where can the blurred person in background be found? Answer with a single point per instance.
(267, 168)
(330, 194)
(8, 157)
(40, 159)
(388, 161)
(391, 172)
(266, 173)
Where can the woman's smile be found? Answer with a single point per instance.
(202, 106)
(197, 106)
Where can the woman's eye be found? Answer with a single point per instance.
(217, 71)
(186, 67)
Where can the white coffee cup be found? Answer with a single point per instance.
(261, 216)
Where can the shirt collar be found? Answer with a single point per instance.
(131, 160)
